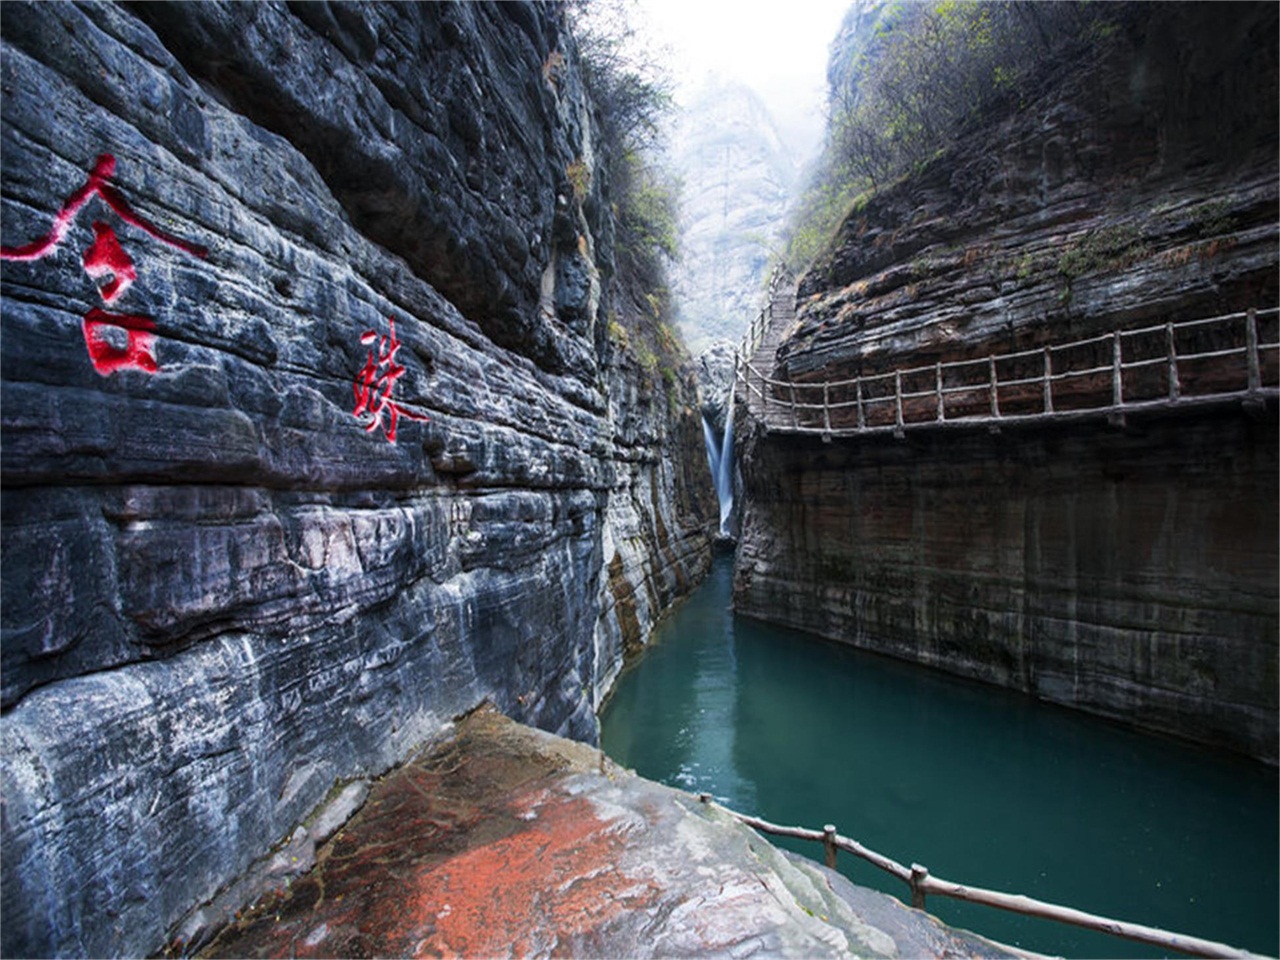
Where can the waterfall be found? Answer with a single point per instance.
(720, 459)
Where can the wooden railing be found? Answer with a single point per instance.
(760, 325)
(1236, 354)
(922, 883)
(755, 333)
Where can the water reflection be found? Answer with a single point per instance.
(683, 697)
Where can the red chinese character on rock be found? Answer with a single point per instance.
(106, 258)
(120, 341)
(375, 381)
(115, 341)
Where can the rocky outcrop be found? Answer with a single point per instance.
(313, 435)
(715, 372)
(502, 839)
(1133, 571)
(1138, 185)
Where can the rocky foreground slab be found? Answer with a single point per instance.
(503, 840)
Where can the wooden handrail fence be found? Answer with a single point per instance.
(758, 327)
(922, 883)
(1122, 371)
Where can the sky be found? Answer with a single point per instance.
(777, 49)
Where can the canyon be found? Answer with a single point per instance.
(330, 416)
(1127, 566)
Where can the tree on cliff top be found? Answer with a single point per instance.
(631, 91)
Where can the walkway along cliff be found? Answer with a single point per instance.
(316, 429)
(1024, 427)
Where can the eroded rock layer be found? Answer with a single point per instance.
(313, 434)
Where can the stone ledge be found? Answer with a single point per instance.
(506, 840)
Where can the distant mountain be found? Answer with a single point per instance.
(737, 175)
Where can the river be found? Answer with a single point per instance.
(983, 786)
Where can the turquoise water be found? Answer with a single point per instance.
(982, 786)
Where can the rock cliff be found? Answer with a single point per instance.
(1130, 572)
(313, 431)
(1135, 184)
(737, 174)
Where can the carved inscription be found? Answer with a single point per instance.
(114, 341)
(375, 382)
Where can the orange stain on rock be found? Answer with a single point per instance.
(481, 849)
(525, 893)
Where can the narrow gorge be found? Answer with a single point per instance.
(361, 428)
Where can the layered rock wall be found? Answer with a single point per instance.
(1127, 571)
(1135, 184)
(312, 433)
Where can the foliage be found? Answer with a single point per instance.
(579, 175)
(618, 333)
(646, 213)
(904, 92)
(1106, 248)
(631, 91)
(628, 83)
(821, 209)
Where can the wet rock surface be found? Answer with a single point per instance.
(502, 840)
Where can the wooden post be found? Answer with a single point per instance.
(918, 875)
(829, 842)
(1251, 339)
(862, 420)
(942, 407)
(897, 403)
(1117, 374)
(1175, 388)
(1048, 380)
(826, 407)
(995, 390)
